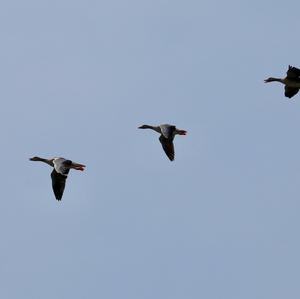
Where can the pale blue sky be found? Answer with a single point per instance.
(78, 78)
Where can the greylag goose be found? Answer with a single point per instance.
(61, 168)
(291, 81)
(167, 133)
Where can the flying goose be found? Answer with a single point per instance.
(167, 133)
(291, 81)
(61, 168)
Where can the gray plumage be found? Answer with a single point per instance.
(291, 81)
(59, 174)
(167, 133)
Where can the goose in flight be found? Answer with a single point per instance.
(61, 168)
(291, 81)
(167, 133)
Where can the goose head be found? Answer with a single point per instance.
(144, 127)
(271, 79)
(77, 166)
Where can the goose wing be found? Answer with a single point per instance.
(168, 147)
(58, 184)
(293, 72)
(167, 130)
(289, 92)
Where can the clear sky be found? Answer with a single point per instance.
(221, 221)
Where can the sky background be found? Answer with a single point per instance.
(78, 78)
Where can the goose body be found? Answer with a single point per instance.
(59, 174)
(167, 133)
(291, 81)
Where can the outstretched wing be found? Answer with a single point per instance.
(290, 91)
(168, 147)
(58, 184)
(293, 72)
